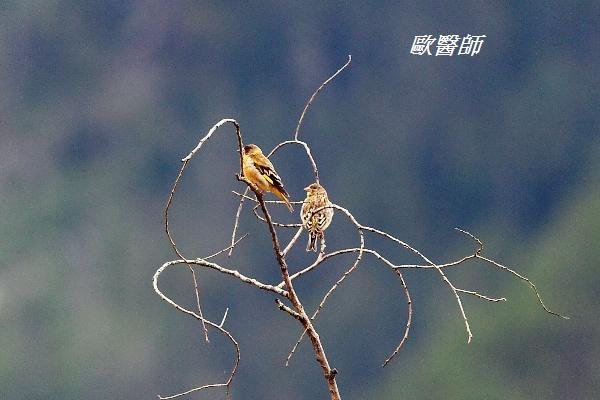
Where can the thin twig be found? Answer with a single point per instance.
(225, 249)
(254, 210)
(427, 260)
(306, 107)
(209, 134)
(240, 146)
(172, 195)
(480, 249)
(446, 265)
(208, 322)
(408, 320)
(288, 310)
(224, 317)
(306, 150)
(515, 273)
(174, 246)
(524, 278)
(293, 241)
(481, 296)
(330, 291)
(315, 95)
(214, 385)
(197, 293)
(379, 256)
(167, 207)
(245, 196)
(236, 222)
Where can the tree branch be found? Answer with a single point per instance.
(298, 307)
(285, 288)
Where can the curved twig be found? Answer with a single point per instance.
(408, 319)
(295, 141)
(317, 92)
(515, 273)
(220, 328)
(306, 150)
(330, 291)
(185, 161)
(306, 107)
(407, 246)
(524, 278)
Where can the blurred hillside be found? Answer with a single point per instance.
(101, 99)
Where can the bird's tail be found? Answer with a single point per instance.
(312, 242)
(282, 196)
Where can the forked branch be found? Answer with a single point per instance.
(286, 297)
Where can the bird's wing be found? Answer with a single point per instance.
(268, 172)
(304, 214)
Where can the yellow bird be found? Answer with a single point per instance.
(315, 223)
(260, 171)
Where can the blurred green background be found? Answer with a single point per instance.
(100, 100)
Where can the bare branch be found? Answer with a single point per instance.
(276, 223)
(524, 278)
(209, 134)
(408, 320)
(183, 166)
(245, 196)
(407, 246)
(315, 95)
(446, 265)
(200, 318)
(412, 249)
(293, 241)
(197, 293)
(224, 317)
(481, 296)
(318, 349)
(236, 222)
(214, 385)
(234, 273)
(285, 288)
(226, 248)
(515, 273)
(480, 249)
(288, 310)
(172, 195)
(306, 150)
(330, 291)
(306, 107)
(168, 205)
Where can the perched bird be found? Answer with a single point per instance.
(258, 169)
(315, 223)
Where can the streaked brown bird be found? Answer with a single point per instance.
(260, 171)
(315, 218)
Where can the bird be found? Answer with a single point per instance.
(315, 223)
(260, 172)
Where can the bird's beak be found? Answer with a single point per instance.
(306, 189)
